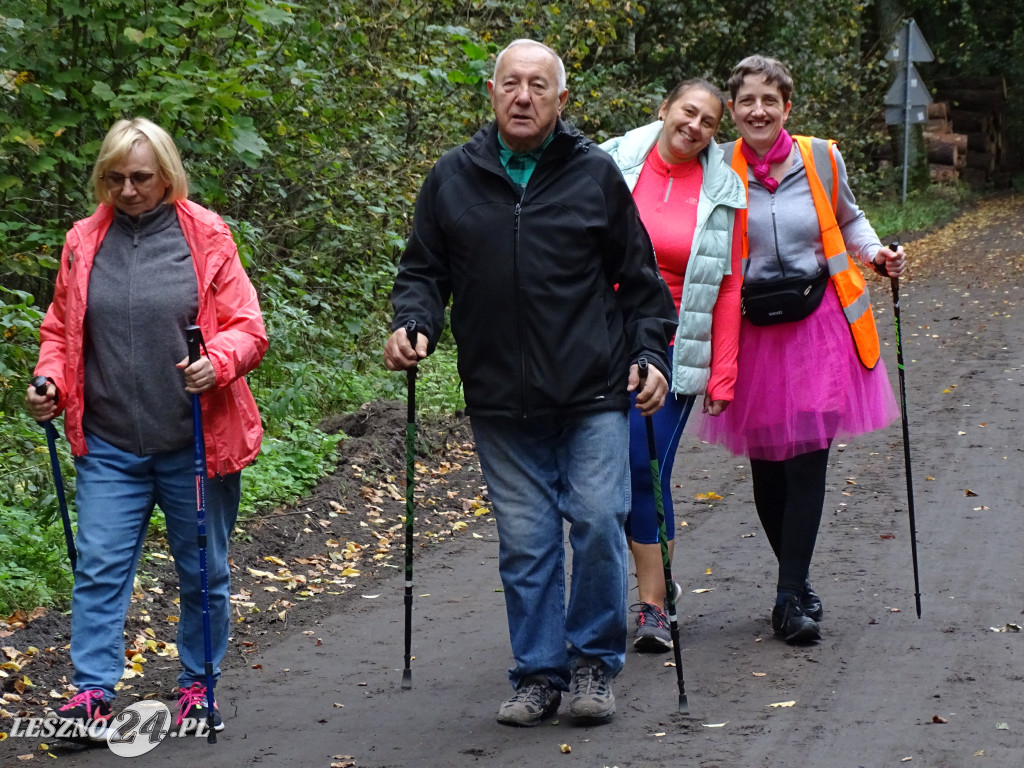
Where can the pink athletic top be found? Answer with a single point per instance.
(666, 195)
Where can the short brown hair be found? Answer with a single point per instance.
(772, 70)
(125, 134)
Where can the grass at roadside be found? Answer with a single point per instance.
(923, 210)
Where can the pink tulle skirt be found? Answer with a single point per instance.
(800, 386)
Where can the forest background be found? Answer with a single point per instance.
(310, 126)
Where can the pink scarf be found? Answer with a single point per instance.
(762, 168)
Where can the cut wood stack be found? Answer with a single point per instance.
(976, 108)
(947, 151)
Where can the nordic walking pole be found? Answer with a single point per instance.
(895, 282)
(410, 484)
(659, 506)
(40, 382)
(194, 340)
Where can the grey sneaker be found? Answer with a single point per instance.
(652, 629)
(590, 696)
(535, 699)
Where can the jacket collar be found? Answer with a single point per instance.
(483, 147)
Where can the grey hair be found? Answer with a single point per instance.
(560, 68)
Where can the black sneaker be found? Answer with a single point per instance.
(90, 714)
(534, 699)
(652, 629)
(192, 708)
(590, 696)
(790, 621)
(811, 603)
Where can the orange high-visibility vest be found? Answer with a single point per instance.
(846, 277)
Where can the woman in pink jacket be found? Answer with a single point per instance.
(145, 265)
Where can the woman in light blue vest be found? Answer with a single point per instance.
(687, 197)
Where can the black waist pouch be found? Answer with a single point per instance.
(782, 301)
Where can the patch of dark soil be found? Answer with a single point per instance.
(289, 567)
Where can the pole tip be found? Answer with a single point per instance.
(406, 679)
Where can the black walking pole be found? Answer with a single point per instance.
(895, 282)
(670, 592)
(194, 340)
(40, 382)
(410, 484)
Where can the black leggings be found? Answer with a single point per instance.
(789, 496)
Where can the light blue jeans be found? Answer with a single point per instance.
(539, 473)
(115, 496)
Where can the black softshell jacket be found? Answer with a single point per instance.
(539, 324)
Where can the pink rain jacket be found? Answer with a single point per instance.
(229, 316)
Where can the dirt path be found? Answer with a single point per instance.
(883, 688)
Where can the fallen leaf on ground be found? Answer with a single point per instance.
(937, 719)
(709, 496)
(969, 492)
(700, 591)
(566, 749)
(759, 674)
(713, 725)
(1002, 726)
(778, 704)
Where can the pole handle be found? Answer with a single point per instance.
(895, 281)
(40, 382)
(642, 367)
(194, 340)
(412, 333)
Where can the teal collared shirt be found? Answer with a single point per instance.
(520, 165)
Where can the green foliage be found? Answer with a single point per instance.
(288, 467)
(35, 569)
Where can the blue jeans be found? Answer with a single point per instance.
(539, 473)
(115, 496)
(668, 421)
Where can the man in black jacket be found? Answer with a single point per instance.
(556, 296)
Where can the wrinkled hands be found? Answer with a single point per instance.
(894, 261)
(399, 354)
(652, 396)
(42, 407)
(199, 376)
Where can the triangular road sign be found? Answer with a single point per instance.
(918, 93)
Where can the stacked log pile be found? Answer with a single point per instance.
(947, 151)
(973, 109)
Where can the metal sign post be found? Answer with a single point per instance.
(908, 99)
